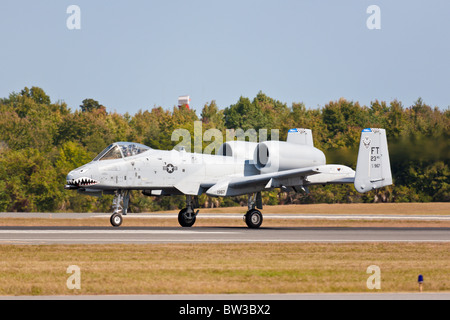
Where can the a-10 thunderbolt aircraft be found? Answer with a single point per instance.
(240, 168)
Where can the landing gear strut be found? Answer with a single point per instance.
(253, 218)
(120, 207)
(187, 216)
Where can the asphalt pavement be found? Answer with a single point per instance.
(144, 235)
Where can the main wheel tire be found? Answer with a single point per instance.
(184, 220)
(253, 219)
(116, 220)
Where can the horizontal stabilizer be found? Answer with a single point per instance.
(300, 136)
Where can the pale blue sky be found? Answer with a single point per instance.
(132, 55)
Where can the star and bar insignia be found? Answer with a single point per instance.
(170, 168)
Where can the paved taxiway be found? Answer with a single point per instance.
(142, 235)
(139, 235)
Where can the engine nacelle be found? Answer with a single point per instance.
(273, 156)
(238, 149)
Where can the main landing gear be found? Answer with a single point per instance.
(253, 218)
(120, 207)
(187, 216)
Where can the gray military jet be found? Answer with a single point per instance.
(240, 168)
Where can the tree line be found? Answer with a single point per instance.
(41, 141)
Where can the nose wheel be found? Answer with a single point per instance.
(116, 220)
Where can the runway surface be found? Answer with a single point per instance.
(144, 235)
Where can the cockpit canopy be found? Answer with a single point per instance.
(121, 150)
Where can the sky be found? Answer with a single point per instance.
(135, 55)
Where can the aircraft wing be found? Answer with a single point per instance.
(242, 185)
(265, 178)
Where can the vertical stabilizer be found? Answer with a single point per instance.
(373, 169)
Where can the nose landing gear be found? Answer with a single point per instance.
(120, 207)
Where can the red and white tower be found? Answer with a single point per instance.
(184, 101)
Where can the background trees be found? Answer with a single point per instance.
(41, 141)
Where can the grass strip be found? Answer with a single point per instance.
(222, 268)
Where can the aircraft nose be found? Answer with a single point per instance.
(78, 172)
(78, 178)
(70, 176)
(69, 180)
